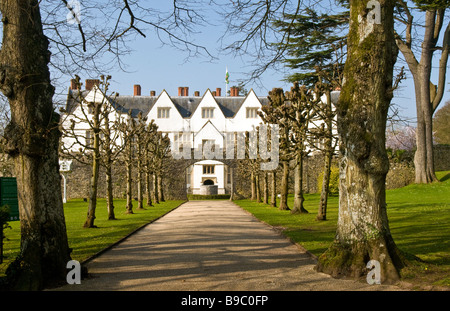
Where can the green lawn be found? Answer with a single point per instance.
(87, 242)
(419, 218)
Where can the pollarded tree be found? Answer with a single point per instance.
(277, 112)
(92, 137)
(363, 232)
(301, 113)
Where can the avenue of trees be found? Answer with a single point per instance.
(38, 39)
(115, 138)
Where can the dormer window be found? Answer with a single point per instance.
(252, 113)
(207, 113)
(163, 113)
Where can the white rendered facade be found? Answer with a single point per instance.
(192, 120)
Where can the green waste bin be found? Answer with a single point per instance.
(8, 196)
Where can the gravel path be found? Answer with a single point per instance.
(209, 246)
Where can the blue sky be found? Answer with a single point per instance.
(158, 68)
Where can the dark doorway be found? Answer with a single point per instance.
(208, 182)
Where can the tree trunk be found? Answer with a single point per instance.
(155, 188)
(298, 188)
(129, 207)
(89, 223)
(273, 198)
(284, 187)
(423, 158)
(149, 188)
(33, 142)
(140, 185)
(109, 194)
(253, 186)
(363, 232)
(323, 203)
(231, 184)
(266, 188)
(160, 189)
(258, 188)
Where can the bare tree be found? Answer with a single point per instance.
(428, 96)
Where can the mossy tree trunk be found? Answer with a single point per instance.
(32, 140)
(363, 232)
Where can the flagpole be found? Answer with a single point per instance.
(226, 82)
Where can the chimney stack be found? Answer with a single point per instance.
(218, 91)
(183, 91)
(137, 90)
(234, 91)
(73, 84)
(90, 83)
(152, 93)
(197, 93)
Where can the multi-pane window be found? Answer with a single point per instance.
(207, 113)
(208, 169)
(252, 113)
(89, 139)
(163, 113)
(181, 139)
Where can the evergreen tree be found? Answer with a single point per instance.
(316, 43)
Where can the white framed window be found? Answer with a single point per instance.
(207, 113)
(163, 113)
(252, 113)
(208, 169)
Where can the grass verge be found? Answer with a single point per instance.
(88, 242)
(419, 219)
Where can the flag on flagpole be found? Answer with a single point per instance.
(227, 76)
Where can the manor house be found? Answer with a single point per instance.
(196, 119)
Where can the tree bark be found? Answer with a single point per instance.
(253, 185)
(149, 188)
(160, 188)
(129, 207)
(109, 195)
(323, 203)
(284, 187)
(258, 188)
(363, 232)
(140, 183)
(298, 188)
(89, 223)
(266, 188)
(155, 188)
(232, 183)
(33, 142)
(273, 198)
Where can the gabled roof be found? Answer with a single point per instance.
(205, 125)
(186, 105)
